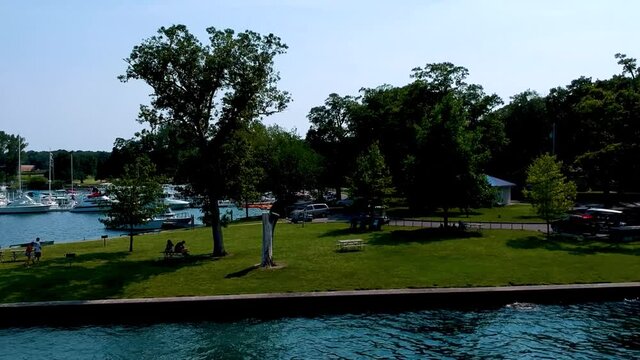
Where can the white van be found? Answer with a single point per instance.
(310, 211)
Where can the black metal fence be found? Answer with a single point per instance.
(479, 225)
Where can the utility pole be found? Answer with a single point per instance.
(553, 139)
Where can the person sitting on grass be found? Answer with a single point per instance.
(169, 247)
(181, 248)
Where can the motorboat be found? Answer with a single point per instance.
(59, 199)
(172, 197)
(175, 220)
(149, 225)
(175, 204)
(225, 203)
(94, 202)
(24, 204)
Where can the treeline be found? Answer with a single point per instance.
(85, 163)
(436, 137)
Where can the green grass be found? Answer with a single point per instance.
(519, 212)
(394, 258)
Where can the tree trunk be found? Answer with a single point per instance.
(338, 193)
(130, 238)
(445, 210)
(548, 234)
(216, 228)
(268, 228)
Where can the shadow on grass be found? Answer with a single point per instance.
(81, 278)
(343, 232)
(574, 246)
(528, 217)
(425, 235)
(242, 272)
(404, 213)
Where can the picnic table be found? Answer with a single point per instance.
(350, 245)
(11, 254)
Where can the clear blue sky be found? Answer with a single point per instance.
(59, 59)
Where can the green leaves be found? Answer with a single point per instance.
(548, 190)
(371, 180)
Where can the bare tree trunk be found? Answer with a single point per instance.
(216, 228)
(268, 229)
(130, 238)
(445, 209)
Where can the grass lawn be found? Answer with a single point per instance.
(393, 258)
(518, 212)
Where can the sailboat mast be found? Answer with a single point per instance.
(72, 173)
(19, 165)
(50, 167)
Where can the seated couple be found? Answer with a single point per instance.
(179, 248)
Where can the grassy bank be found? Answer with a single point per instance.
(394, 258)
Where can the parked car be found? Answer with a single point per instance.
(592, 221)
(310, 211)
(344, 202)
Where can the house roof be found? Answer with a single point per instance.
(27, 168)
(495, 182)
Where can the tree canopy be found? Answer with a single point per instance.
(548, 189)
(208, 95)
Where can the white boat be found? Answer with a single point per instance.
(3, 196)
(152, 224)
(23, 204)
(172, 197)
(175, 204)
(62, 200)
(172, 220)
(94, 202)
(225, 203)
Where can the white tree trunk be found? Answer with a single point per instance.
(268, 226)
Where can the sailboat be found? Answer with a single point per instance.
(49, 200)
(23, 204)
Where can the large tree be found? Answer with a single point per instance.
(371, 181)
(288, 164)
(548, 190)
(209, 95)
(331, 135)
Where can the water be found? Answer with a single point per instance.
(518, 331)
(65, 226)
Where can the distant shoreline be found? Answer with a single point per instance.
(276, 305)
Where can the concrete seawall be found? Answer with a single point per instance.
(265, 306)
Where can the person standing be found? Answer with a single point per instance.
(37, 250)
(28, 253)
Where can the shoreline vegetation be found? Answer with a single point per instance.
(307, 261)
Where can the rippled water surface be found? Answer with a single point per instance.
(518, 331)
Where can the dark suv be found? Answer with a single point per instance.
(592, 221)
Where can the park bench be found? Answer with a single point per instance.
(350, 245)
(173, 255)
(473, 226)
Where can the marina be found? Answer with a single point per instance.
(67, 226)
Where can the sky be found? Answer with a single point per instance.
(59, 60)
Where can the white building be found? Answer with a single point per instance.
(503, 189)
